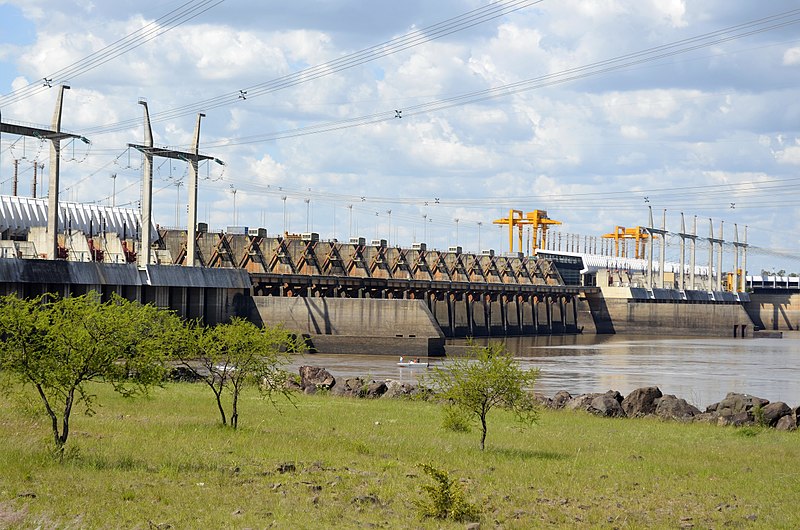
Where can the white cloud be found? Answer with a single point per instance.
(717, 115)
(789, 155)
(791, 56)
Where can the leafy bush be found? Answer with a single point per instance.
(456, 420)
(758, 415)
(446, 498)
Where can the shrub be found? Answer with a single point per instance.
(445, 498)
(456, 420)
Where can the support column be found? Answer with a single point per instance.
(52, 186)
(470, 317)
(663, 254)
(744, 261)
(147, 192)
(735, 285)
(681, 271)
(692, 259)
(711, 242)
(575, 313)
(719, 256)
(650, 249)
(548, 307)
(191, 238)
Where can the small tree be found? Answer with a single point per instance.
(229, 357)
(486, 378)
(59, 344)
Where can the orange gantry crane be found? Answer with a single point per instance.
(537, 220)
(639, 235)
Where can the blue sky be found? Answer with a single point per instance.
(15, 31)
(712, 132)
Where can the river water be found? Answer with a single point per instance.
(699, 369)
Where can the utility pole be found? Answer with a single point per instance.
(233, 190)
(193, 157)
(113, 190)
(178, 185)
(16, 178)
(284, 214)
(350, 207)
(55, 136)
(389, 240)
(719, 255)
(34, 184)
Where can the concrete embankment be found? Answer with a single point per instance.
(408, 327)
(618, 310)
(775, 311)
(355, 325)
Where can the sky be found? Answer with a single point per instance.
(424, 121)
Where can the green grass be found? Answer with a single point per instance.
(164, 460)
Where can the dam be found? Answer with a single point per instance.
(364, 296)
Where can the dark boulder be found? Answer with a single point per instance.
(293, 385)
(397, 389)
(670, 407)
(543, 400)
(314, 376)
(735, 402)
(584, 401)
(581, 402)
(376, 389)
(183, 374)
(560, 399)
(706, 417)
(770, 414)
(641, 401)
(351, 386)
(786, 423)
(606, 405)
(739, 419)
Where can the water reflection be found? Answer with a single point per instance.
(700, 370)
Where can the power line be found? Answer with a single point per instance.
(410, 40)
(167, 22)
(572, 74)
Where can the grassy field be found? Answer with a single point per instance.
(164, 462)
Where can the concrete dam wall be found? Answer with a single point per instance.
(615, 311)
(213, 295)
(355, 325)
(778, 311)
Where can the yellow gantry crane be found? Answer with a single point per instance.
(537, 220)
(638, 234)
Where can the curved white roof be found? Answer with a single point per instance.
(594, 262)
(19, 214)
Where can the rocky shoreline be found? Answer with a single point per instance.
(735, 409)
